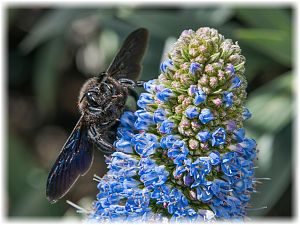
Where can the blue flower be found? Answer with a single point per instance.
(194, 67)
(144, 115)
(239, 135)
(192, 90)
(166, 127)
(246, 114)
(142, 124)
(200, 97)
(230, 125)
(127, 119)
(249, 148)
(203, 136)
(150, 85)
(145, 99)
(235, 82)
(218, 137)
(206, 116)
(178, 148)
(228, 98)
(173, 159)
(123, 146)
(145, 143)
(215, 158)
(165, 65)
(159, 115)
(155, 177)
(123, 161)
(230, 69)
(204, 194)
(125, 133)
(164, 95)
(146, 165)
(199, 169)
(191, 112)
(145, 119)
(220, 188)
(188, 180)
(168, 141)
(230, 164)
(138, 202)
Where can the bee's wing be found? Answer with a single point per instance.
(74, 160)
(127, 63)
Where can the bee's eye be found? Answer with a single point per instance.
(91, 99)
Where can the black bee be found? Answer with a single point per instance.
(101, 102)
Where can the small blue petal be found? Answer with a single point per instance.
(204, 194)
(215, 158)
(231, 125)
(230, 69)
(228, 98)
(229, 164)
(218, 137)
(200, 97)
(127, 119)
(192, 90)
(142, 124)
(164, 95)
(235, 82)
(239, 135)
(206, 116)
(144, 115)
(150, 85)
(188, 180)
(166, 127)
(203, 136)
(145, 144)
(125, 133)
(159, 115)
(246, 114)
(168, 141)
(194, 67)
(123, 146)
(145, 99)
(165, 65)
(191, 112)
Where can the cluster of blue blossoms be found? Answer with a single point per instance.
(184, 156)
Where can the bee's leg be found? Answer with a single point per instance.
(102, 144)
(131, 83)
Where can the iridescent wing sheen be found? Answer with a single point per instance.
(127, 63)
(73, 161)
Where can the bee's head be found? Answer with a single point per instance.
(94, 95)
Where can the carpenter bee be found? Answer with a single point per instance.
(101, 102)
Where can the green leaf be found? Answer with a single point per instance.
(269, 18)
(57, 23)
(173, 22)
(274, 43)
(256, 63)
(26, 190)
(52, 24)
(272, 105)
(46, 75)
(274, 162)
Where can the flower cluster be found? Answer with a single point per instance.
(184, 156)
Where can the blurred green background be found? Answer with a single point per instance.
(52, 51)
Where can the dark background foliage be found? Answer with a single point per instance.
(52, 51)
